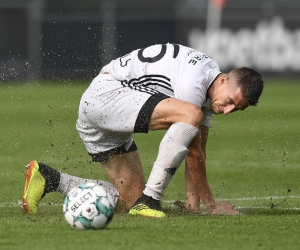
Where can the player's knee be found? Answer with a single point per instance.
(193, 115)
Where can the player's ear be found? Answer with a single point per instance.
(223, 78)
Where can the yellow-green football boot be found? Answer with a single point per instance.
(146, 206)
(39, 180)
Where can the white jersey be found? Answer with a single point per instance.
(172, 69)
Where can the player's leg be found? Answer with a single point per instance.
(106, 123)
(98, 101)
(41, 179)
(172, 110)
(183, 120)
(67, 182)
(126, 173)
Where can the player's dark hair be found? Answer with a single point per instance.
(251, 84)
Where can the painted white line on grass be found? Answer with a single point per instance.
(19, 203)
(14, 204)
(261, 198)
(277, 208)
(250, 198)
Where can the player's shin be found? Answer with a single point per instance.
(172, 151)
(67, 182)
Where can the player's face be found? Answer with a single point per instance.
(227, 99)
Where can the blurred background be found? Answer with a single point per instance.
(50, 39)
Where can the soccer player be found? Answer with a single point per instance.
(164, 86)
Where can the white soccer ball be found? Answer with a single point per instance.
(88, 206)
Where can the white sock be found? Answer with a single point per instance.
(172, 151)
(67, 182)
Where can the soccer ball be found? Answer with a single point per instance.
(88, 206)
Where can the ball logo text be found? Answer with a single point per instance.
(82, 199)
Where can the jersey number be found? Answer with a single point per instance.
(159, 56)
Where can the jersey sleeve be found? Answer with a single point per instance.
(196, 95)
(207, 113)
(193, 85)
(190, 90)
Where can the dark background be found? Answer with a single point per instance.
(46, 39)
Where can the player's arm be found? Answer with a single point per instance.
(197, 186)
(196, 182)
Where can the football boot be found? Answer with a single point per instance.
(146, 206)
(39, 180)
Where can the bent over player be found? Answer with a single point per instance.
(166, 86)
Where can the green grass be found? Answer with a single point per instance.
(253, 160)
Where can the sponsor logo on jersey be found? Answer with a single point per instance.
(198, 58)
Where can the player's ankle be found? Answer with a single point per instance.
(52, 177)
(150, 192)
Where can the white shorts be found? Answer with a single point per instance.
(110, 111)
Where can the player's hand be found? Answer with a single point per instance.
(224, 208)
